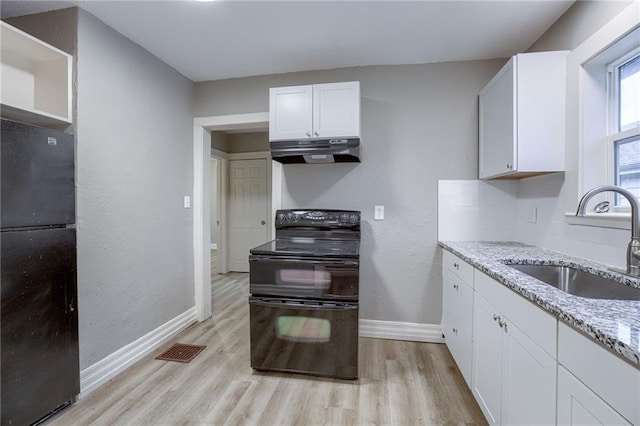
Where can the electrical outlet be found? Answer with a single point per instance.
(378, 213)
(187, 202)
(532, 214)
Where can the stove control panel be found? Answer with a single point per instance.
(318, 218)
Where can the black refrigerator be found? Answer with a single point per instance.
(38, 314)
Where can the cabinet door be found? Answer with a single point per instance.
(290, 115)
(528, 381)
(578, 405)
(336, 110)
(457, 321)
(498, 124)
(487, 359)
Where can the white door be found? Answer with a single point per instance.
(247, 210)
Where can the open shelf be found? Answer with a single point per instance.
(36, 79)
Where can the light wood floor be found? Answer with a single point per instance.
(401, 383)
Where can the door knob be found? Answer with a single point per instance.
(263, 222)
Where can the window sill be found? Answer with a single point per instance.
(601, 220)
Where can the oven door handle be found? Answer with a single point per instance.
(305, 305)
(328, 262)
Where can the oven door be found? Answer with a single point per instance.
(311, 337)
(304, 277)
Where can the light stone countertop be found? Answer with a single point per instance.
(613, 323)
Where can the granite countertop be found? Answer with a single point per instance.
(613, 323)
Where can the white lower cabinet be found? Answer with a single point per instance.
(525, 367)
(457, 302)
(578, 405)
(528, 381)
(486, 381)
(513, 378)
(593, 383)
(456, 324)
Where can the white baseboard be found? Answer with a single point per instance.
(107, 368)
(430, 333)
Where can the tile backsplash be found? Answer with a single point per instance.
(476, 210)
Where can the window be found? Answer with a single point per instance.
(624, 134)
(603, 120)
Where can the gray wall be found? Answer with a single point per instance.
(134, 165)
(220, 141)
(248, 142)
(234, 143)
(577, 24)
(419, 124)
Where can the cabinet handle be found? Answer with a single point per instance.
(455, 265)
(509, 166)
(455, 286)
(503, 325)
(497, 318)
(455, 331)
(308, 134)
(316, 133)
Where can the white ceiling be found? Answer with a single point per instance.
(235, 38)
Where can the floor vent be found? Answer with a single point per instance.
(181, 353)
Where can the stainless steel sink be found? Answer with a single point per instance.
(580, 283)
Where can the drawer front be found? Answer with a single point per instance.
(538, 325)
(611, 378)
(458, 267)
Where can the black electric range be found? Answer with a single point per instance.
(304, 294)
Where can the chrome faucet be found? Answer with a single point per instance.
(633, 249)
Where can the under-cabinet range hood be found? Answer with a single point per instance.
(316, 151)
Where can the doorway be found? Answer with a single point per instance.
(202, 147)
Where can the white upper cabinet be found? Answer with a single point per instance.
(36, 79)
(316, 111)
(522, 117)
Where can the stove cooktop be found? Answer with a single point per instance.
(309, 247)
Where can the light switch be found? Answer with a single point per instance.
(187, 202)
(379, 213)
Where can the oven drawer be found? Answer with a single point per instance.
(310, 337)
(304, 277)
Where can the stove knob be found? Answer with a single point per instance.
(289, 217)
(296, 217)
(344, 218)
(281, 216)
(354, 218)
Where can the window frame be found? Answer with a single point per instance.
(587, 141)
(614, 132)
